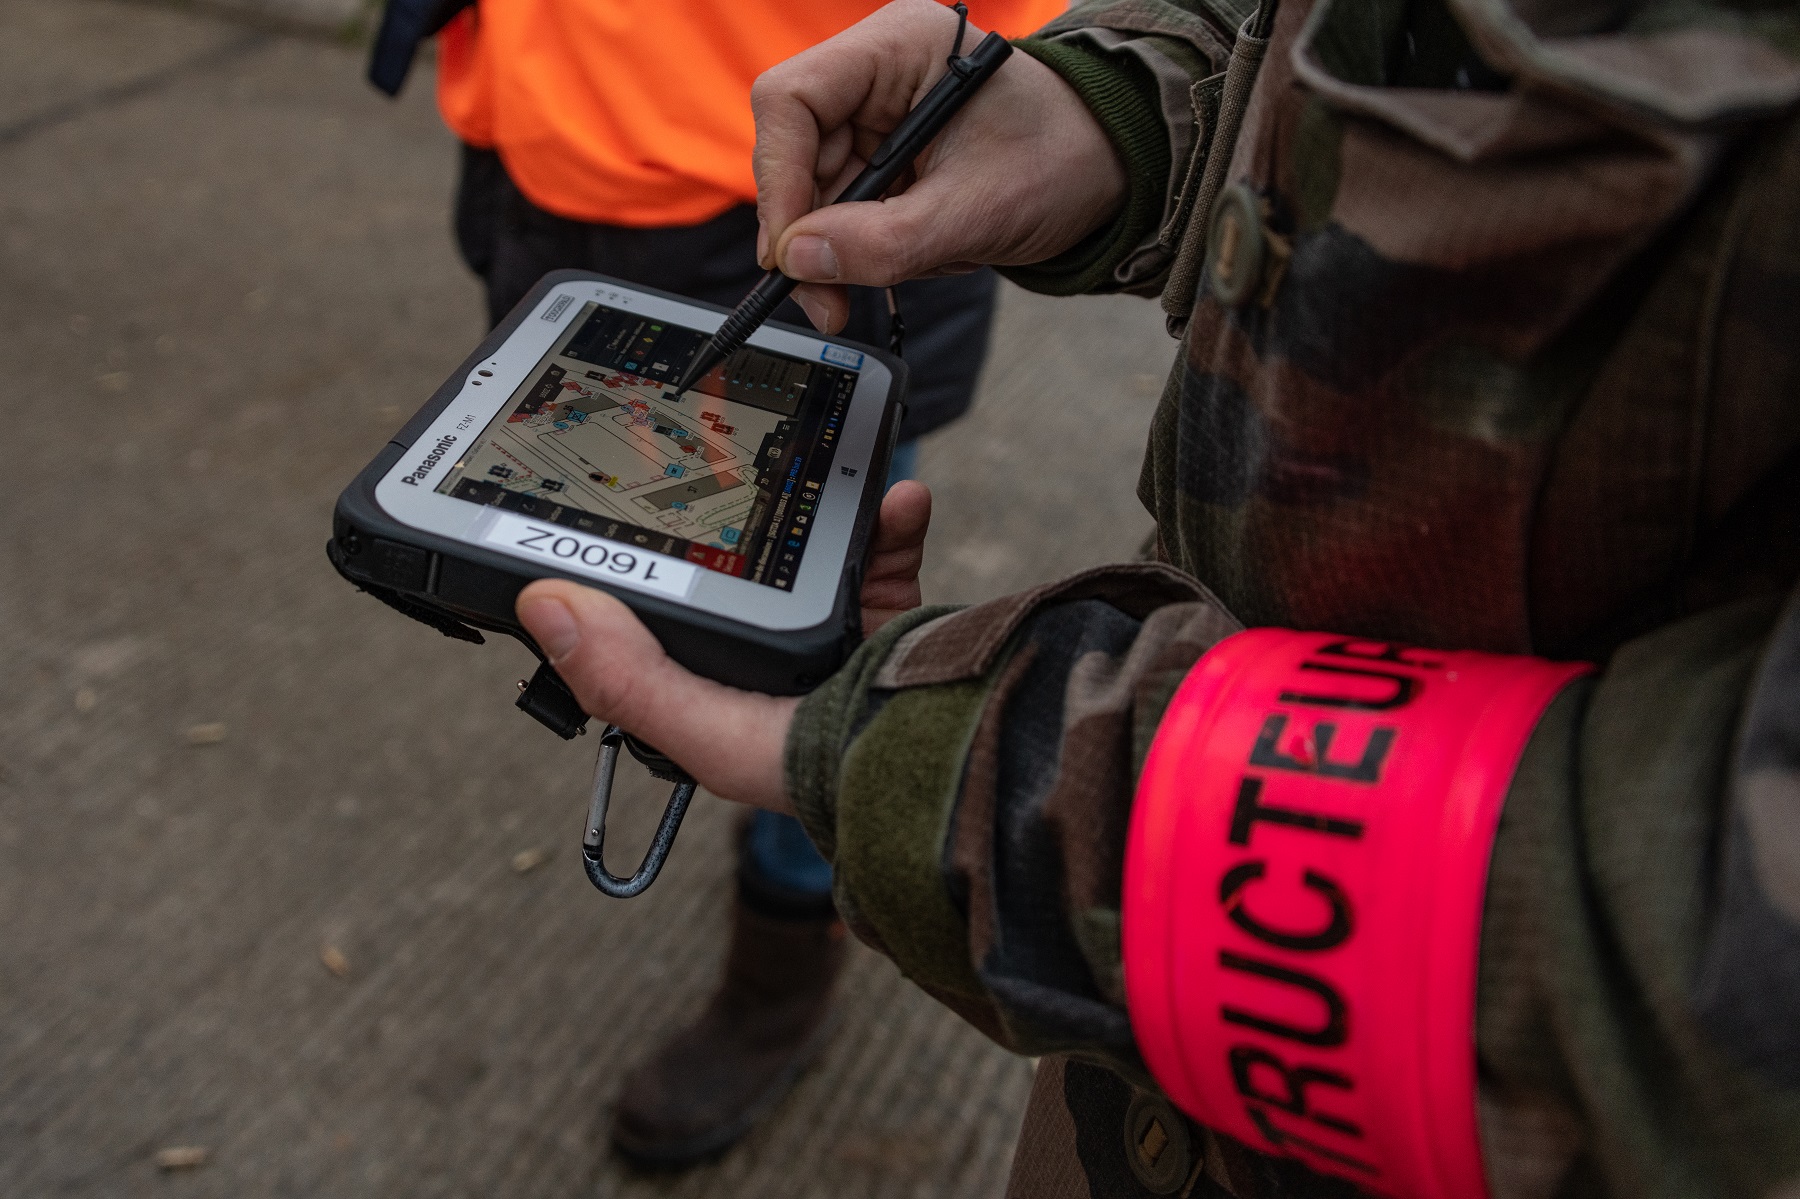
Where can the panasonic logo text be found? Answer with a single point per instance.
(430, 461)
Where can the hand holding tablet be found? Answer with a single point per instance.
(731, 524)
(734, 519)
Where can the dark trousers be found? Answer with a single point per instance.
(512, 243)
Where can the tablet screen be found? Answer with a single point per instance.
(727, 476)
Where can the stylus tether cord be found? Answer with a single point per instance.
(594, 838)
(896, 324)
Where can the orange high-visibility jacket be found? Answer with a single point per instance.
(637, 112)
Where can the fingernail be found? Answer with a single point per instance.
(553, 625)
(814, 310)
(810, 258)
(762, 243)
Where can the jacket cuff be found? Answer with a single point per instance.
(824, 723)
(1125, 98)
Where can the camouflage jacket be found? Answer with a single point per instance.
(1486, 316)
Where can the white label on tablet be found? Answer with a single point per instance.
(625, 565)
(842, 356)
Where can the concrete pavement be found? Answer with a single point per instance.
(225, 278)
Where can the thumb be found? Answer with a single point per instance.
(877, 243)
(613, 664)
(729, 740)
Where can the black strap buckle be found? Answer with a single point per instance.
(548, 700)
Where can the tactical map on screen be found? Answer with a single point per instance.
(727, 476)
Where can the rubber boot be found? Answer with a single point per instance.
(770, 1018)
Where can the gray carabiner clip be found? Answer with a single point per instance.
(595, 837)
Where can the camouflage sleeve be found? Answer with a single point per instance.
(1151, 72)
(1639, 1002)
(971, 775)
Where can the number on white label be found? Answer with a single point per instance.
(594, 556)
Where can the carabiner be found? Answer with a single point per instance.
(592, 840)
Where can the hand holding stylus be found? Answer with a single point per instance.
(964, 75)
(1021, 174)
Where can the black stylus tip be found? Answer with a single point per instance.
(703, 360)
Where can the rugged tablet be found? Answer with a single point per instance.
(734, 519)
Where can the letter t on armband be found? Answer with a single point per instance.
(1301, 926)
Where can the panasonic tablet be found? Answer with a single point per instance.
(734, 519)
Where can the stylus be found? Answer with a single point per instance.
(890, 161)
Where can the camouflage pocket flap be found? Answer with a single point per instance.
(1687, 64)
(1566, 89)
(965, 644)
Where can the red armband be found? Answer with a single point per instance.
(1304, 879)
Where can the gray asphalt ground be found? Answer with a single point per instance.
(225, 279)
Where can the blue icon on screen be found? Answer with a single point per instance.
(674, 470)
(728, 535)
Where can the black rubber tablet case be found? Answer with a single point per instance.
(459, 588)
